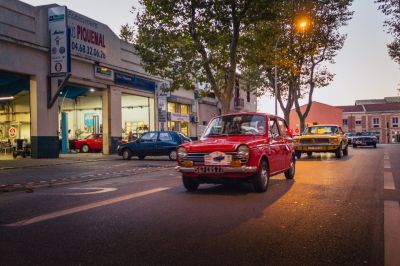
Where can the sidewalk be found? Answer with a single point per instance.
(7, 162)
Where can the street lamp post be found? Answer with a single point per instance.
(276, 76)
(302, 24)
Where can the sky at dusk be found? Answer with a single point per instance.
(363, 69)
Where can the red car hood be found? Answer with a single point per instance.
(227, 144)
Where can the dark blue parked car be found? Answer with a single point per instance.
(156, 143)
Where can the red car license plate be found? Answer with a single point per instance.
(208, 170)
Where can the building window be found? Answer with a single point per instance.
(184, 109)
(185, 128)
(395, 122)
(248, 96)
(375, 122)
(358, 122)
(344, 122)
(172, 107)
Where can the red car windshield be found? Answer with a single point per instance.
(244, 124)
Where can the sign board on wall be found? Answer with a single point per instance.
(180, 117)
(12, 132)
(103, 73)
(60, 59)
(135, 82)
(87, 37)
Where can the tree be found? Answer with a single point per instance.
(196, 42)
(300, 54)
(126, 33)
(391, 8)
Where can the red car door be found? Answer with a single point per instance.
(98, 142)
(287, 143)
(276, 146)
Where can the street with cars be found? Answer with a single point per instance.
(334, 212)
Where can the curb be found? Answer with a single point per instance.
(54, 164)
(28, 187)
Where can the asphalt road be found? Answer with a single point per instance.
(332, 213)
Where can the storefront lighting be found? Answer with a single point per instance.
(6, 98)
(92, 90)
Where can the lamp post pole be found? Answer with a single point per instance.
(276, 77)
(276, 89)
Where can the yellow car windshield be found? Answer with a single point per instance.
(321, 130)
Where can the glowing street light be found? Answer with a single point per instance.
(303, 24)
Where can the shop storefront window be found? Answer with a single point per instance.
(179, 117)
(173, 125)
(184, 109)
(137, 116)
(185, 128)
(172, 107)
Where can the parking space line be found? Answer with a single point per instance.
(386, 164)
(391, 232)
(85, 207)
(388, 181)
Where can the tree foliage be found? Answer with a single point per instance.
(197, 41)
(391, 8)
(300, 55)
(126, 33)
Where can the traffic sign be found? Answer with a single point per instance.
(12, 132)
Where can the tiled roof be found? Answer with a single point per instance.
(392, 99)
(351, 108)
(382, 107)
(370, 101)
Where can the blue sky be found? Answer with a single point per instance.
(363, 68)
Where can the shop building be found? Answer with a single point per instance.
(59, 85)
(107, 91)
(380, 116)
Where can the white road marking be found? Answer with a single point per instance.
(388, 181)
(386, 157)
(386, 164)
(85, 207)
(392, 233)
(99, 190)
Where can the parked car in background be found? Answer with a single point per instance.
(350, 137)
(365, 139)
(245, 147)
(156, 143)
(321, 138)
(93, 142)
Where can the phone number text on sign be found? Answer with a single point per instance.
(88, 50)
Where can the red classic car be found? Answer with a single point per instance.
(248, 147)
(93, 142)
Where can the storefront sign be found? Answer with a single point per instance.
(87, 39)
(60, 59)
(162, 115)
(134, 82)
(103, 73)
(12, 132)
(180, 117)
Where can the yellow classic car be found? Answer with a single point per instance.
(321, 138)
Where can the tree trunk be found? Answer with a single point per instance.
(225, 104)
(286, 115)
(302, 123)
